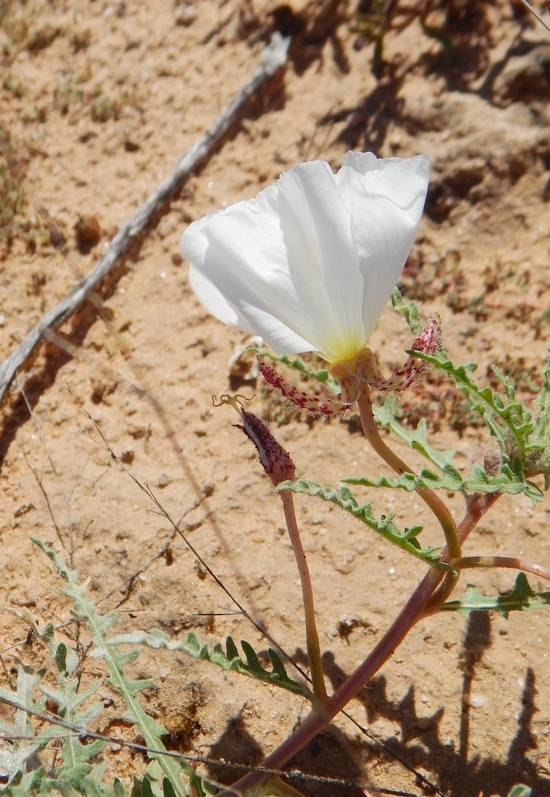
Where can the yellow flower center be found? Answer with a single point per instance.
(350, 373)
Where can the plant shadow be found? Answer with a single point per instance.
(418, 745)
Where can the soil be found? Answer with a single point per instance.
(98, 102)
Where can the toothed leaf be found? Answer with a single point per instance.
(345, 499)
(452, 480)
(521, 598)
(230, 660)
(98, 626)
(415, 438)
(508, 421)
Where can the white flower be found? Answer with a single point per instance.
(310, 263)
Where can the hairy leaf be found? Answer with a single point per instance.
(230, 660)
(415, 438)
(15, 757)
(408, 310)
(507, 419)
(452, 480)
(522, 598)
(345, 499)
(98, 625)
(76, 756)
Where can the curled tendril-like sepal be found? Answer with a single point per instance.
(362, 368)
(323, 405)
(428, 341)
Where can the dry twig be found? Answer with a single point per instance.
(272, 61)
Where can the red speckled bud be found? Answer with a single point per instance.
(276, 461)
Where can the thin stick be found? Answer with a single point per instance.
(272, 60)
(530, 8)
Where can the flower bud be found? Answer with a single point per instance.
(276, 461)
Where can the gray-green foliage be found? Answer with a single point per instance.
(521, 598)
(345, 499)
(25, 743)
(449, 478)
(79, 769)
(523, 442)
(98, 625)
(523, 439)
(230, 660)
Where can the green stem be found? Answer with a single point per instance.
(312, 637)
(437, 506)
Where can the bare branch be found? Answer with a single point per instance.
(272, 61)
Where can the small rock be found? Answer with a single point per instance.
(526, 78)
(185, 14)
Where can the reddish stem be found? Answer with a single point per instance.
(503, 561)
(412, 612)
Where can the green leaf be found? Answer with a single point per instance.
(345, 499)
(118, 788)
(408, 310)
(168, 789)
(230, 660)
(520, 790)
(76, 756)
(452, 480)
(17, 757)
(146, 788)
(98, 625)
(507, 419)
(521, 598)
(415, 438)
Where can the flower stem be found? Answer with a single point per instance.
(502, 561)
(315, 721)
(312, 637)
(413, 611)
(437, 506)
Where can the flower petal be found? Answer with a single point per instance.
(386, 202)
(283, 266)
(322, 258)
(239, 271)
(310, 263)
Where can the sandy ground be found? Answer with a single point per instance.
(99, 101)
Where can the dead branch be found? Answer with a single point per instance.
(272, 60)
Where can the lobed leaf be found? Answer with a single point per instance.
(230, 660)
(25, 744)
(508, 421)
(452, 480)
(344, 498)
(76, 757)
(98, 626)
(522, 598)
(415, 438)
